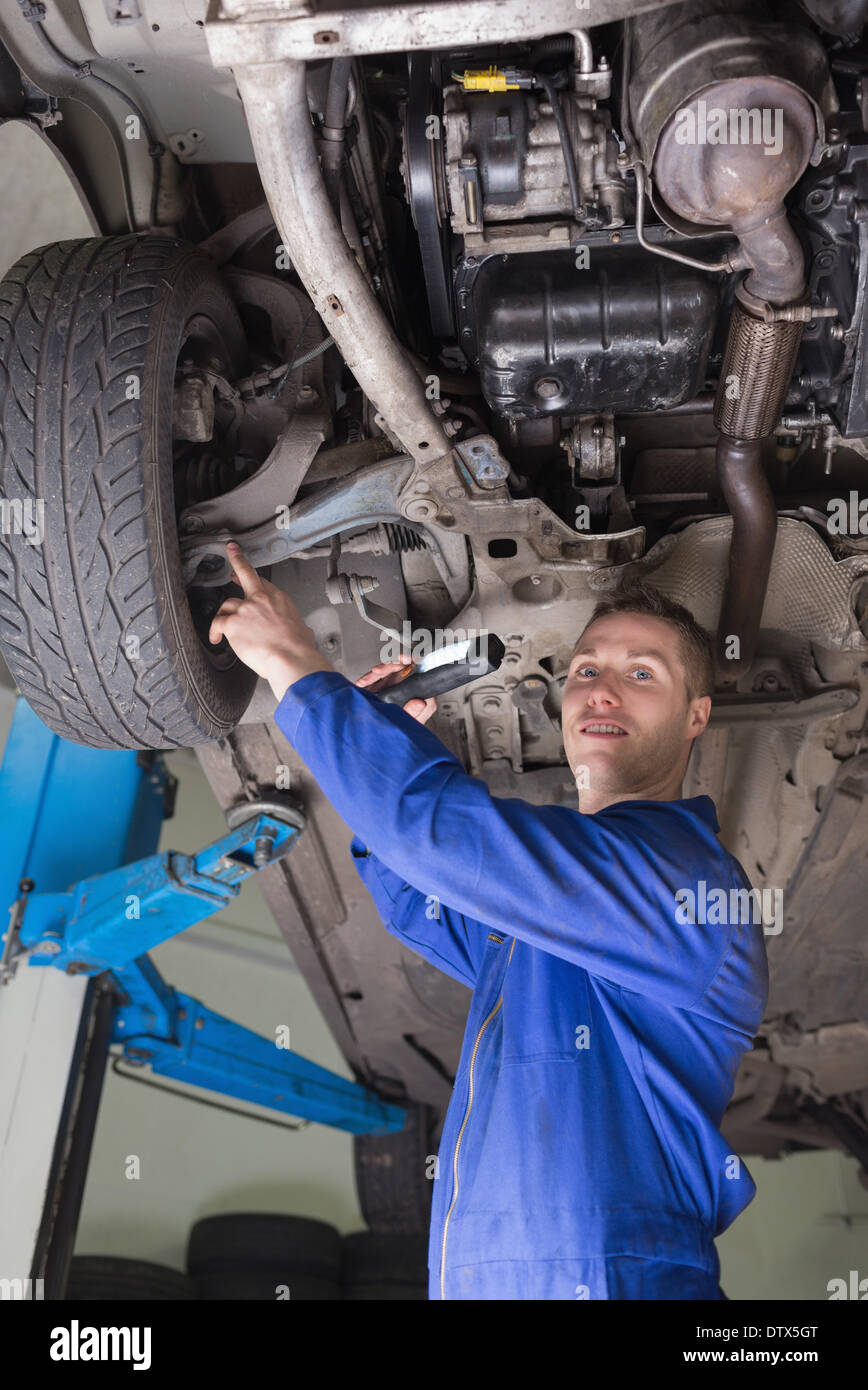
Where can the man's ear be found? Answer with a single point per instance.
(699, 713)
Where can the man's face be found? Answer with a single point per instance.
(628, 672)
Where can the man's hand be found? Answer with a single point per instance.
(265, 629)
(389, 673)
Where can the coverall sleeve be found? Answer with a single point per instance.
(444, 937)
(598, 890)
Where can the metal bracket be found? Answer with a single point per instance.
(109, 920)
(354, 588)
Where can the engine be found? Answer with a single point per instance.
(579, 249)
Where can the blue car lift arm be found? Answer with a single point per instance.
(109, 921)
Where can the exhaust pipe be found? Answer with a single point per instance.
(746, 492)
(757, 366)
(768, 100)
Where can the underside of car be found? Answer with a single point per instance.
(459, 317)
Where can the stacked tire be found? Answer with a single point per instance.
(384, 1267)
(259, 1256)
(105, 1278)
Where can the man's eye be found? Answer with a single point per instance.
(640, 669)
(580, 670)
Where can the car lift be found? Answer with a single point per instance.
(88, 897)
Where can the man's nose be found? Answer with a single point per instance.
(603, 692)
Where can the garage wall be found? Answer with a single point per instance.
(807, 1225)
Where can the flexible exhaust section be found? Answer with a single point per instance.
(757, 366)
(742, 58)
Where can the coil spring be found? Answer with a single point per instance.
(201, 475)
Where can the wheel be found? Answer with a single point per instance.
(95, 1278)
(265, 1284)
(293, 1244)
(96, 627)
(384, 1267)
(392, 1180)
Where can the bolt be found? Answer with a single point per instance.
(496, 751)
(48, 948)
(623, 160)
(192, 523)
(495, 729)
(330, 643)
(420, 509)
(535, 579)
(491, 702)
(262, 851)
(200, 1023)
(837, 330)
(548, 387)
(614, 236)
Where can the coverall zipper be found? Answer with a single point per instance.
(476, 1043)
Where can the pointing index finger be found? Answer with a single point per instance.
(248, 580)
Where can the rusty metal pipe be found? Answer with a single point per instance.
(278, 118)
(749, 498)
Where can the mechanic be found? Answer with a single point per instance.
(581, 1156)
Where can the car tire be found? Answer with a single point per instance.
(292, 1243)
(378, 1267)
(97, 1278)
(392, 1181)
(262, 1284)
(96, 626)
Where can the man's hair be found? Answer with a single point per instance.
(695, 644)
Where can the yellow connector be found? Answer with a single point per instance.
(492, 80)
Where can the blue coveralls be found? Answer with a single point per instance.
(581, 1156)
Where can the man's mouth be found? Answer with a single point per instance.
(599, 729)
